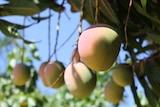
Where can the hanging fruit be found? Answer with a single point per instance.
(21, 74)
(98, 47)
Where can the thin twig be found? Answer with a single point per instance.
(57, 34)
(69, 37)
(97, 12)
(67, 15)
(126, 23)
(49, 36)
(23, 36)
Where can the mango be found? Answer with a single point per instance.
(122, 74)
(75, 56)
(79, 79)
(41, 73)
(54, 74)
(113, 92)
(21, 74)
(98, 47)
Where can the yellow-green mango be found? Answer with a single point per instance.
(54, 74)
(21, 74)
(113, 92)
(122, 74)
(79, 79)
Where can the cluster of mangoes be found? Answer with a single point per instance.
(122, 76)
(98, 47)
(97, 50)
(49, 71)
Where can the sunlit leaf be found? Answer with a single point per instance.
(27, 60)
(144, 3)
(9, 29)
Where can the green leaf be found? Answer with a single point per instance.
(25, 8)
(9, 29)
(28, 42)
(26, 59)
(143, 3)
(34, 51)
(18, 26)
(56, 7)
(41, 18)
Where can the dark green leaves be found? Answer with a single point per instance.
(19, 7)
(144, 13)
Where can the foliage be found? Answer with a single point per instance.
(137, 23)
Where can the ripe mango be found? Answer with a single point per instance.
(98, 47)
(54, 74)
(21, 74)
(79, 79)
